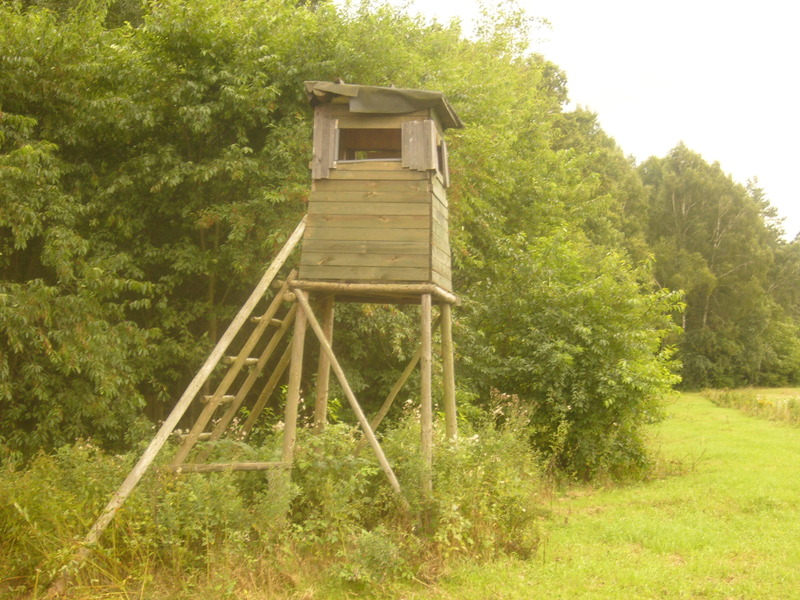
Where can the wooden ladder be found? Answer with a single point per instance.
(59, 585)
(245, 371)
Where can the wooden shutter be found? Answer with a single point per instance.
(445, 168)
(419, 145)
(325, 138)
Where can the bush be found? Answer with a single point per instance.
(577, 335)
(193, 530)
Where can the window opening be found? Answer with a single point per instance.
(369, 144)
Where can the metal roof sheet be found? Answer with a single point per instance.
(384, 100)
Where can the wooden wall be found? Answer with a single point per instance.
(377, 221)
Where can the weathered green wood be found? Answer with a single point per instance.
(419, 145)
(437, 208)
(324, 368)
(439, 197)
(368, 221)
(411, 291)
(372, 164)
(369, 208)
(442, 282)
(361, 121)
(341, 173)
(324, 142)
(320, 259)
(442, 268)
(293, 388)
(366, 273)
(426, 404)
(366, 247)
(440, 218)
(439, 255)
(445, 167)
(343, 109)
(365, 234)
(448, 373)
(374, 197)
(327, 185)
(439, 238)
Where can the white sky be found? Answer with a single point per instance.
(721, 76)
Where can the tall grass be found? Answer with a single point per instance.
(232, 535)
(775, 405)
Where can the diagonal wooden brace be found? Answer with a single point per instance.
(302, 300)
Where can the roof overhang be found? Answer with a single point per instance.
(384, 100)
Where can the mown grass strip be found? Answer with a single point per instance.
(725, 525)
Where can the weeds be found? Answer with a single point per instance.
(338, 524)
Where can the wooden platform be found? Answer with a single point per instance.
(378, 293)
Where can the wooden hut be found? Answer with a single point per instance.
(377, 214)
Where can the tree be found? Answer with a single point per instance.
(712, 238)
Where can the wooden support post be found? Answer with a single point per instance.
(448, 374)
(59, 585)
(348, 392)
(324, 370)
(293, 390)
(426, 400)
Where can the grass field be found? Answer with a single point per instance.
(722, 521)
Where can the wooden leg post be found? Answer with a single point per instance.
(293, 390)
(426, 402)
(450, 417)
(324, 370)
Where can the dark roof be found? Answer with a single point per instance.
(383, 100)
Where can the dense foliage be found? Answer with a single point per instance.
(717, 240)
(152, 168)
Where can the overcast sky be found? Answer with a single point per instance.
(721, 76)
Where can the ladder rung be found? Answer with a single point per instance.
(202, 437)
(237, 466)
(248, 361)
(221, 399)
(275, 322)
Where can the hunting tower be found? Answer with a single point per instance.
(376, 231)
(377, 213)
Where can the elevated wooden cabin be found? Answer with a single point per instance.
(377, 213)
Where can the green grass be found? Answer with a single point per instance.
(719, 520)
(723, 522)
